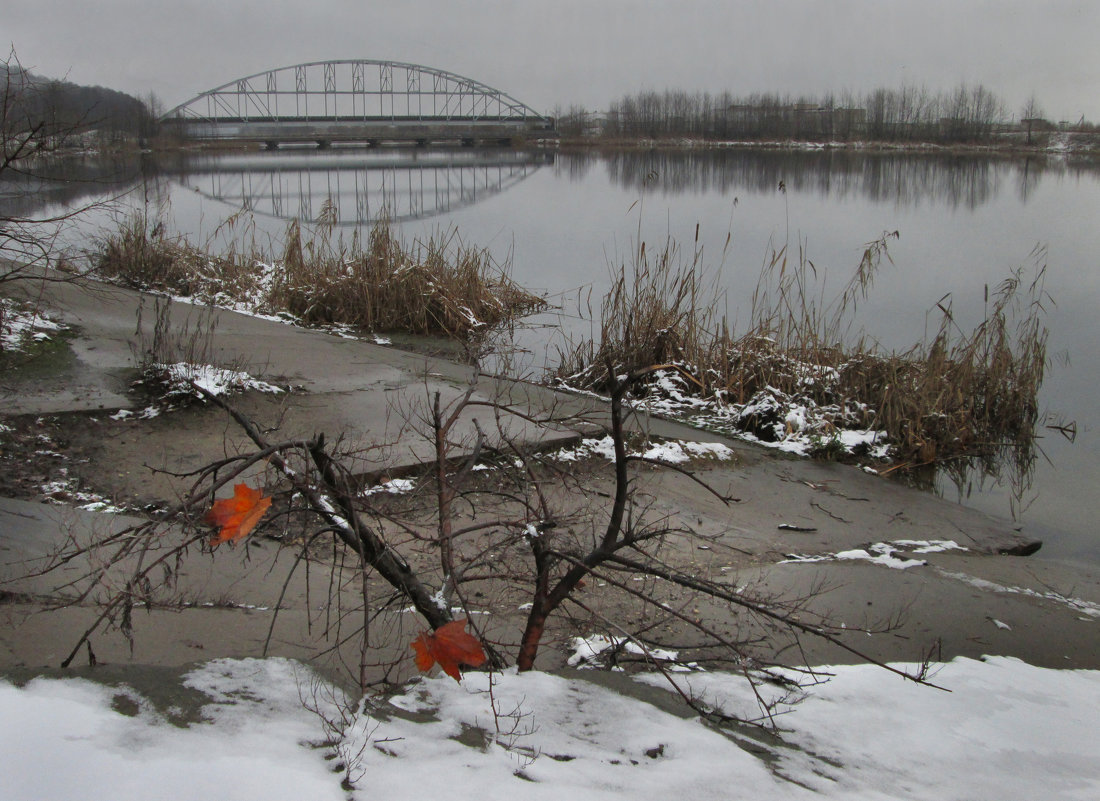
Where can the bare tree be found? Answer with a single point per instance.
(28, 135)
(908, 113)
(573, 122)
(533, 531)
(1030, 115)
(39, 120)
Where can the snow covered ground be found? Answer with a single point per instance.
(22, 323)
(1006, 731)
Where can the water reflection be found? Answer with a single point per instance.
(905, 179)
(360, 186)
(68, 183)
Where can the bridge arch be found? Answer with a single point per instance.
(348, 90)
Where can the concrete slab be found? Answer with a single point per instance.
(368, 395)
(373, 398)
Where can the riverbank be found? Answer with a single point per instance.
(857, 546)
(1085, 144)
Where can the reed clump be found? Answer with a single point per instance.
(660, 311)
(964, 392)
(441, 287)
(141, 254)
(799, 371)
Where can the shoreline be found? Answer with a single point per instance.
(1080, 144)
(1015, 149)
(971, 602)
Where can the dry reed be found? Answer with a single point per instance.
(440, 287)
(141, 254)
(960, 396)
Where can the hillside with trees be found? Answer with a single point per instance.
(55, 107)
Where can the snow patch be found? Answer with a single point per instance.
(215, 380)
(883, 553)
(1087, 607)
(670, 451)
(395, 486)
(21, 324)
(1007, 731)
(594, 650)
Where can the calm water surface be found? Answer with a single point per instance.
(964, 222)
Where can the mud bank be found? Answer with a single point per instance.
(949, 580)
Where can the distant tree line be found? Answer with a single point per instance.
(39, 120)
(52, 107)
(965, 114)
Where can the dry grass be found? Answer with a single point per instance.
(660, 311)
(141, 254)
(440, 287)
(963, 392)
(962, 395)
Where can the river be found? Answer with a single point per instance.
(964, 222)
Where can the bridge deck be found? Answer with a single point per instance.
(325, 131)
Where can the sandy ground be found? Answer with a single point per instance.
(63, 436)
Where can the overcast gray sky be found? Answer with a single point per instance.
(589, 52)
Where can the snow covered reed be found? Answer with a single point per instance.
(801, 379)
(440, 287)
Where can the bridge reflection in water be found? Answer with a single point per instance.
(362, 186)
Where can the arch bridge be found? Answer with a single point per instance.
(364, 100)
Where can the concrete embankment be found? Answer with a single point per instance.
(863, 548)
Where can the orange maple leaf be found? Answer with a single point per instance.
(449, 645)
(235, 517)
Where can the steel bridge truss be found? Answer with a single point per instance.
(361, 90)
